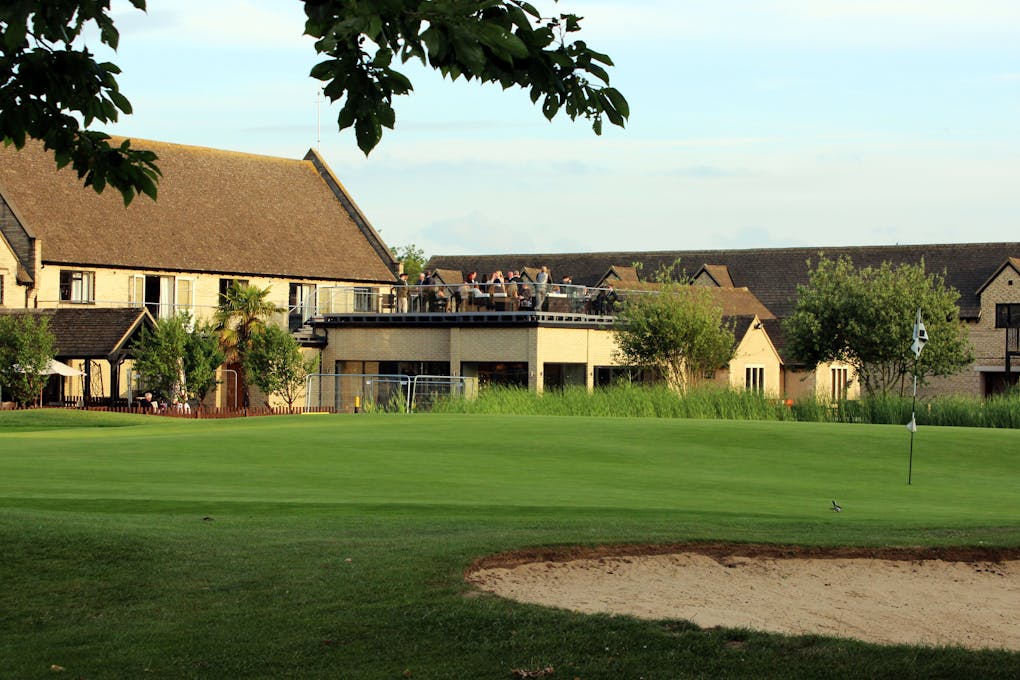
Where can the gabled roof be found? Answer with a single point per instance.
(774, 329)
(217, 211)
(449, 276)
(719, 273)
(529, 273)
(92, 332)
(734, 302)
(1011, 262)
(741, 325)
(620, 274)
(773, 274)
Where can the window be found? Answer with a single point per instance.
(754, 378)
(225, 286)
(839, 381)
(301, 304)
(1, 289)
(156, 293)
(1007, 315)
(77, 286)
(186, 295)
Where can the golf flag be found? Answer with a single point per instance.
(912, 425)
(920, 336)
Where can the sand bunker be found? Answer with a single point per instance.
(962, 598)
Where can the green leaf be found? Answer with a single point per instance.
(120, 101)
(383, 57)
(323, 70)
(346, 117)
(550, 106)
(368, 132)
(387, 117)
(618, 101)
(598, 72)
(530, 9)
(435, 42)
(398, 82)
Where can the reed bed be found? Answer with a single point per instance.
(711, 403)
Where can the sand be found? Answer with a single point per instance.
(898, 597)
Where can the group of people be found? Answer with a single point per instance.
(498, 291)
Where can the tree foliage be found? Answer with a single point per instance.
(52, 88)
(679, 330)
(865, 318)
(505, 42)
(275, 364)
(413, 259)
(173, 347)
(241, 316)
(26, 346)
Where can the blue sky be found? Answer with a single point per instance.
(763, 123)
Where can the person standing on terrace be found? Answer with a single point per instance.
(541, 287)
(403, 294)
(418, 294)
(496, 283)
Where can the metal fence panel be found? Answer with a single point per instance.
(350, 392)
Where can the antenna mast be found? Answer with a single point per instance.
(318, 101)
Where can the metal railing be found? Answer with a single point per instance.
(464, 297)
(292, 316)
(359, 392)
(410, 299)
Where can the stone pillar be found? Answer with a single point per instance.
(589, 365)
(455, 352)
(536, 379)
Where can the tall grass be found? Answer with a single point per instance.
(712, 403)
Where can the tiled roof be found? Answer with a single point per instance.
(734, 302)
(1013, 262)
(90, 332)
(720, 273)
(741, 325)
(449, 276)
(623, 273)
(772, 274)
(217, 211)
(774, 329)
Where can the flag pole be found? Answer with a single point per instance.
(920, 339)
(913, 423)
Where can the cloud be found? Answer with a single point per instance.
(708, 172)
(475, 232)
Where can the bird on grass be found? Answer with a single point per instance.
(836, 507)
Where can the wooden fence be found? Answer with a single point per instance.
(216, 411)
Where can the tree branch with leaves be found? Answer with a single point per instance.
(679, 330)
(55, 91)
(276, 366)
(504, 42)
(26, 347)
(864, 317)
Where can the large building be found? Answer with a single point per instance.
(221, 216)
(289, 225)
(987, 276)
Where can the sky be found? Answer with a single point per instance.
(754, 124)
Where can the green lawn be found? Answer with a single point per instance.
(335, 545)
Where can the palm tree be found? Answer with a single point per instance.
(242, 315)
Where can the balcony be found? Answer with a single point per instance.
(465, 305)
(456, 304)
